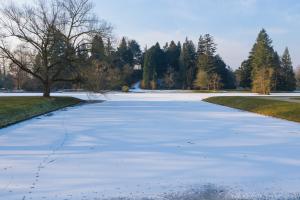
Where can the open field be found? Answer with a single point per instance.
(16, 109)
(150, 145)
(281, 107)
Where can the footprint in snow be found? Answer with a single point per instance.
(51, 161)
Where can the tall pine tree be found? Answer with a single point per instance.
(288, 75)
(153, 67)
(205, 54)
(187, 64)
(172, 56)
(124, 54)
(262, 62)
(98, 50)
(268, 71)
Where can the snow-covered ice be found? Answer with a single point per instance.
(148, 145)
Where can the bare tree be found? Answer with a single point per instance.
(17, 73)
(3, 66)
(51, 33)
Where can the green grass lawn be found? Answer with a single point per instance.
(270, 107)
(296, 98)
(16, 109)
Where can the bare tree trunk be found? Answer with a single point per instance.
(46, 92)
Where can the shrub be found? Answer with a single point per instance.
(125, 88)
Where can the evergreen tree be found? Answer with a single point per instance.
(262, 62)
(179, 46)
(153, 67)
(98, 50)
(209, 45)
(159, 61)
(124, 54)
(201, 46)
(165, 48)
(225, 75)
(146, 71)
(288, 74)
(244, 74)
(213, 65)
(268, 70)
(187, 64)
(172, 56)
(277, 79)
(230, 79)
(136, 52)
(205, 54)
(170, 80)
(110, 53)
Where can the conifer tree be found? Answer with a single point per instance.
(244, 74)
(179, 46)
(98, 50)
(159, 61)
(201, 46)
(109, 51)
(153, 66)
(262, 64)
(205, 54)
(146, 70)
(277, 79)
(268, 71)
(288, 74)
(125, 56)
(225, 76)
(135, 49)
(187, 64)
(172, 56)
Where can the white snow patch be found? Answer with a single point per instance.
(147, 144)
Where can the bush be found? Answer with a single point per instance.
(125, 88)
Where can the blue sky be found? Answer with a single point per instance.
(234, 23)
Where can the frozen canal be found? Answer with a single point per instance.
(149, 147)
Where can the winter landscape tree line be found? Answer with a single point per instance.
(61, 45)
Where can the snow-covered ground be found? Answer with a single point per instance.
(148, 95)
(149, 145)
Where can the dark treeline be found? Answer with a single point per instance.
(174, 66)
(186, 66)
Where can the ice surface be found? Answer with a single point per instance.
(148, 145)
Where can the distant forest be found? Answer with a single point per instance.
(74, 54)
